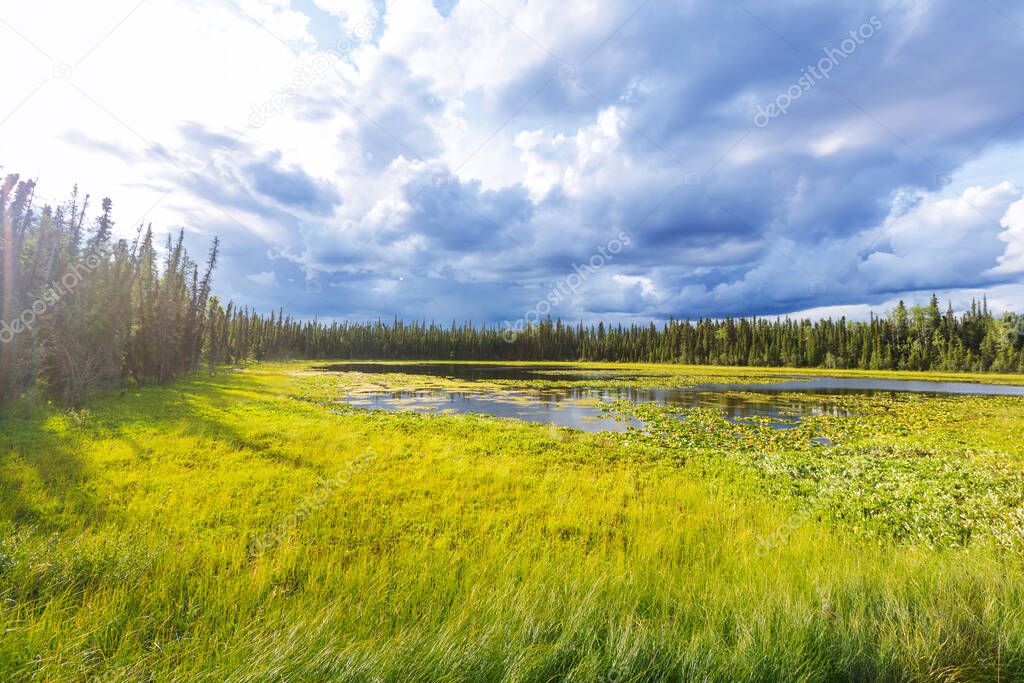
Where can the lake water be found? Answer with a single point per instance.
(579, 407)
(475, 372)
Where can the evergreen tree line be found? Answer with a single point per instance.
(84, 311)
(918, 338)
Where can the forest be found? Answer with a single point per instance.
(84, 311)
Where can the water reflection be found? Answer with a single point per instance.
(545, 407)
(475, 372)
(579, 406)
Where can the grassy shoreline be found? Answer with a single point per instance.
(244, 526)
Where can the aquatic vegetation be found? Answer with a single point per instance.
(898, 467)
(884, 475)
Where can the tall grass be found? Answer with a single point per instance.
(450, 548)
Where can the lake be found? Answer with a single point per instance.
(784, 402)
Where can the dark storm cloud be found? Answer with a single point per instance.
(729, 212)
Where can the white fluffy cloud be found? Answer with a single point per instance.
(1012, 261)
(576, 164)
(940, 240)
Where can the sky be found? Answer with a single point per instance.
(503, 160)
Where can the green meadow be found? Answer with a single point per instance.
(248, 525)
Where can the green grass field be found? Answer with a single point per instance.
(246, 526)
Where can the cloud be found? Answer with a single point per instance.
(454, 159)
(927, 243)
(80, 139)
(1011, 262)
(267, 278)
(291, 186)
(940, 242)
